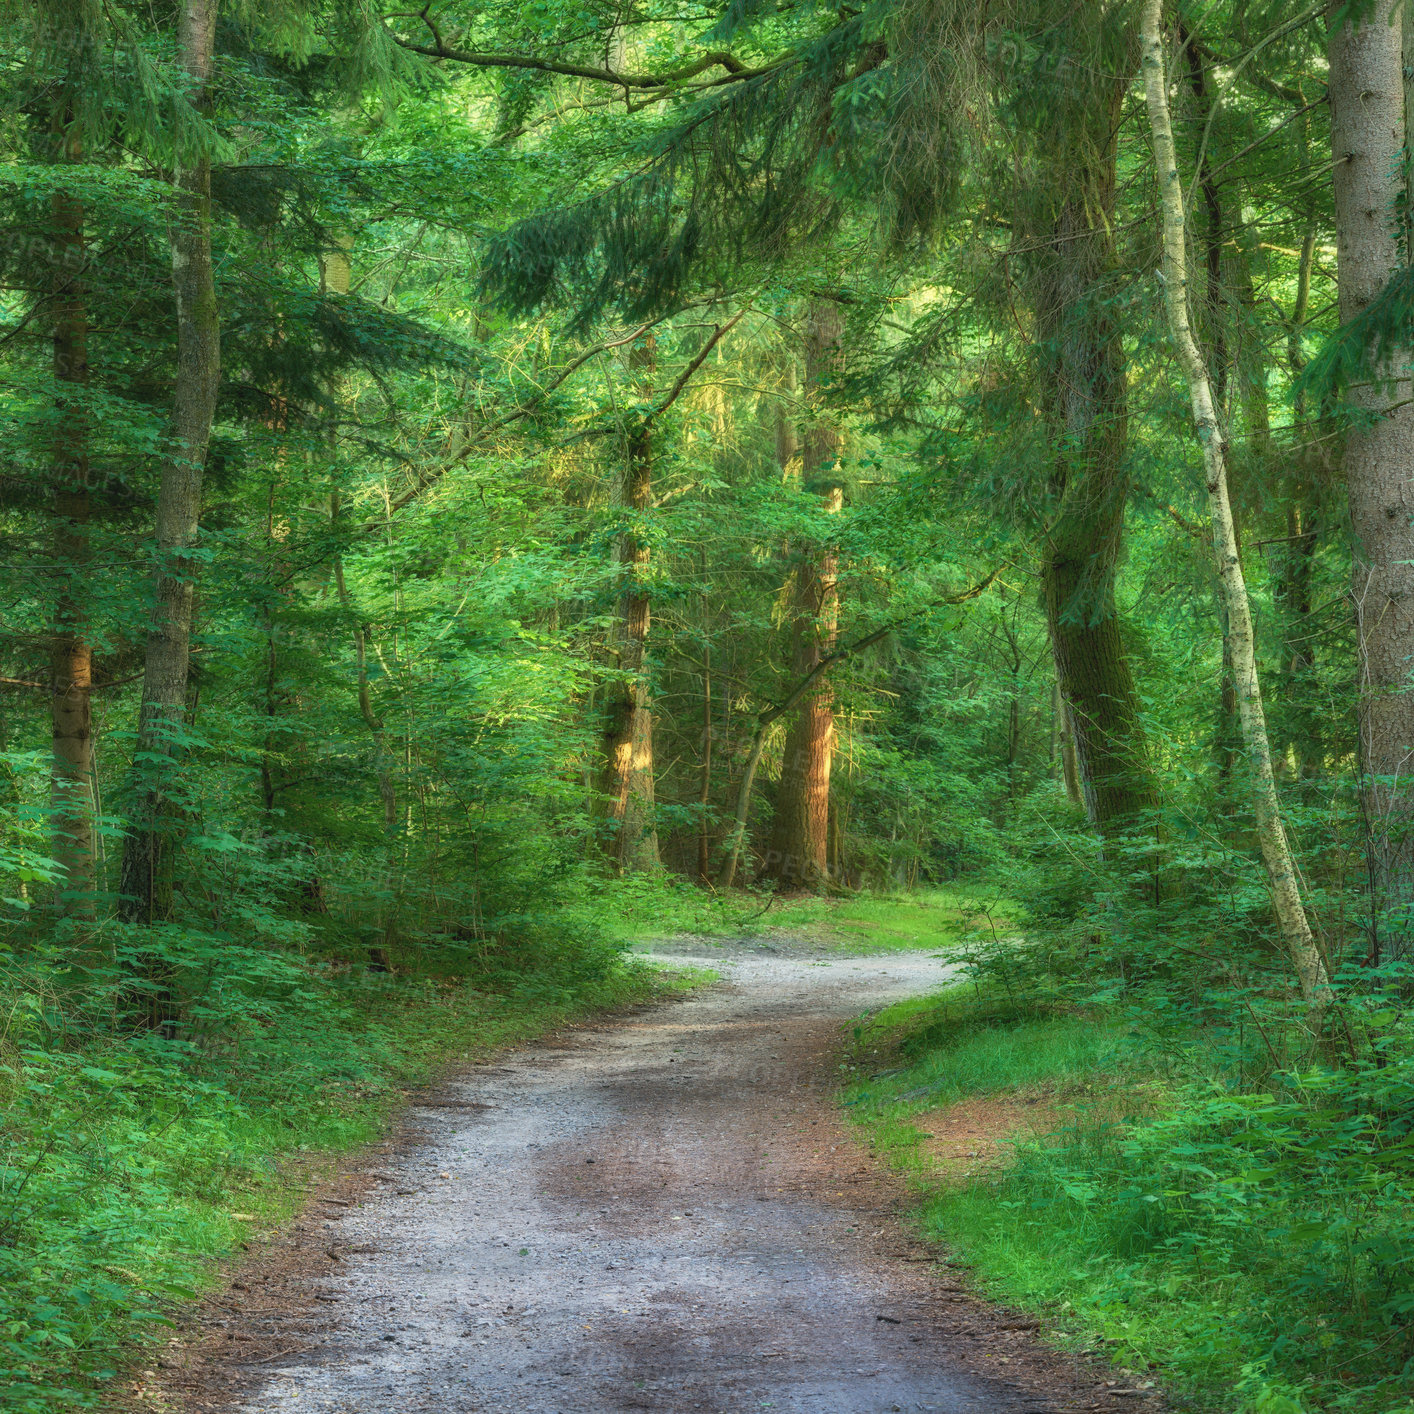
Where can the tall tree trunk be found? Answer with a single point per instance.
(704, 833)
(1211, 322)
(149, 853)
(1276, 854)
(1063, 744)
(72, 799)
(1085, 378)
(786, 442)
(798, 856)
(336, 274)
(383, 772)
(1292, 590)
(726, 877)
(1367, 143)
(627, 780)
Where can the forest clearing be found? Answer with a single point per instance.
(818, 589)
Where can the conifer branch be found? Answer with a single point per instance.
(439, 49)
(433, 475)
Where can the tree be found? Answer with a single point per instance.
(72, 800)
(146, 886)
(1368, 144)
(627, 782)
(798, 855)
(1065, 221)
(1306, 959)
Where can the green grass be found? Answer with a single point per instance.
(930, 1052)
(129, 1168)
(959, 1042)
(930, 920)
(644, 908)
(1247, 1250)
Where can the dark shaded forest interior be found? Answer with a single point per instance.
(490, 485)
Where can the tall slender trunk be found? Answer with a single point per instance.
(1367, 143)
(704, 833)
(627, 780)
(726, 876)
(799, 852)
(1084, 373)
(336, 274)
(1276, 853)
(149, 853)
(383, 773)
(71, 783)
(1013, 738)
(786, 443)
(1304, 740)
(1063, 746)
(1211, 322)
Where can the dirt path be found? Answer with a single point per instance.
(658, 1213)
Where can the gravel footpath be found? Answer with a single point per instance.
(656, 1212)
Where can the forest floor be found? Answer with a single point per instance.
(662, 1210)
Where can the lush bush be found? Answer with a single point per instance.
(132, 1157)
(1224, 1208)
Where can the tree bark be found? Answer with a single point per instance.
(704, 834)
(797, 694)
(1063, 745)
(1306, 959)
(627, 780)
(1292, 590)
(1084, 373)
(378, 955)
(799, 852)
(727, 875)
(72, 797)
(1367, 142)
(150, 849)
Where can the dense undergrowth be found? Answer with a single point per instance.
(1217, 1209)
(132, 1158)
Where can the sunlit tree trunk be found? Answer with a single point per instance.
(71, 650)
(1367, 142)
(1071, 208)
(627, 780)
(1276, 854)
(148, 857)
(704, 834)
(798, 856)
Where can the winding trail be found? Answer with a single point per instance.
(657, 1212)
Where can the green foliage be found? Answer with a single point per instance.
(22, 859)
(1237, 1227)
(387, 827)
(131, 1163)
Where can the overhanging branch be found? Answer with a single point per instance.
(735, 70)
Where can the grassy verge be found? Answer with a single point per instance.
(1250, 1251)
(931, 920)
(129, 1167)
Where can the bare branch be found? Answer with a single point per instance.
(692, 367)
